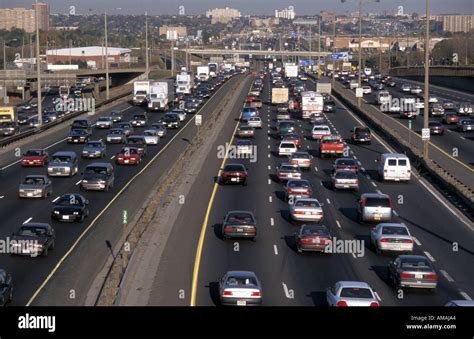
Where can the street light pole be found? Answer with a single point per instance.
(427, 78)
(146, 45)
(107, 94)
(38, 68)
(4, 56)
(319, 43)
(360, 50)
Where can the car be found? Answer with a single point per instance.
(316, 119)
(35, 157)
(393, 237)
(116, 116)
(285, 127)
(94, 149)
(250, 98)
(465, 125)
(9, 128)
(128, 156)
(436, 110)
(450, 118)
(85, 124)
(406, 88)
(464, 108)
(181, 114)
(33, 239)
(35, 186)
(416, 90)
(151, 136)
(287, 148)
(239, 224)
(344, 179)
(391, 83)
(374, 207)
(297, 188)
(460, 303)
(63, 163)
(286, 171)
(351, 293)
(160, 128)
(78, 136)
(448, 105)
(23, 119)
(361, 134)
(244, 148)
(171, 120)
(319, 131)
(249, 112)
(394, 166)
(412, 271)
(257, 103)
(191, 106)
(104, 122)
(306, 209)
(241, 288)
(302, 159)
(329, 106)
(436, 127)
(139, 142)
(70, 207)
(366, 89)
(98, 176)
(6, 288)
(116, 136)
(345, 163)
(245, 131)
(255, 122)
(234, 173)
(126, 127)
(312, 238)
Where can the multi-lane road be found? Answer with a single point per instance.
(196, 253)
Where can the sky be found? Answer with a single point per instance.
(247, 7)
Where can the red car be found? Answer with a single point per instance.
(346, 163)
(295, 138)
(234, 174)
(35, 157)
(250, 98)
(451, 118)
(128, 156)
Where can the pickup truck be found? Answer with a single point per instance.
(331, 145)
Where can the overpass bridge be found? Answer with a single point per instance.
(254, 52)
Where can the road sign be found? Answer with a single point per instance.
(425, 134)
(321, 62)
(359, 92)
(339, 56)
(198, 120)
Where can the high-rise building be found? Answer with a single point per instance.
(287, 13)
(222, 15)
(455, 23)
(173, 32)
(24, 18)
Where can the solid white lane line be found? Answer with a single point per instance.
(429, 256)
(446, 275)
(27, 220)
(338, 224)
(465, 295)
(275, 249)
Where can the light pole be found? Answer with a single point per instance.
(146, 46)
(427, 78)
(38, 68)
(107, 93)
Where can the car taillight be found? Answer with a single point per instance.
(341, 303)
(299, 212)
(374, 304)
(306, 240)
(408, 241)
(431, 276)
(228, 229)
(227, 293)
(354, 136)
(289, 190)
(256, 294)
(385, 170)
(405, 276)
(408, 171)
(385, 240)
(310, 191)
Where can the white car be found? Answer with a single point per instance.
(366, 90)
(416, 90)
(319, 131)
(351, 293)
(306, 209)
(181, 114)
(244, 148)
(255, 122)
(151, 136)
(406, 88)
(287, 148)
(391, 237)
(104, 122)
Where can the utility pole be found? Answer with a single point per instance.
(319, 43)
(146, 46)
(107, 94)
(70, 51)
(172, 58)
(427, 79)
(38, 69)
(406, 52)
(333, 49)
(360, 50)
(4, 56)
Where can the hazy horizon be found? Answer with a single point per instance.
(247, 7)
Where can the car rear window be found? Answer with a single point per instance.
(291, 169)
(353, 292)
(301, 155)
(240, 218)
(415, 263)
(394, 230)
(307, 203)
(402, 162)
(345, 162)
(294, 184)
(234, 168)
(346, 175)
(241, 281)
(287, 145)
(377, 202)
(309, 231)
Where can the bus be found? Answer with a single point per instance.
(8, 114)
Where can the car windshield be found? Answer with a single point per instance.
(354, 292)
(32, 231)
(234, 168)
(307, 203)
(33, 153)
(415, 263)
(240, 218)
(287, 145)
(394, 230)
(104, 119)
(34, 181)
(241, 281)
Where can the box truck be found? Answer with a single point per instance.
(202, 73)
(161, 95)
(184, 83)
(291, 71)
(311, 103)
(213, 69)
(140, 91)
(323, 86)
(279, 95)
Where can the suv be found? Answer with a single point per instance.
(98, 176)
(374, 207)
(82, 124)
(361, 134)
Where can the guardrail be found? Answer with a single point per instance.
(453, 174)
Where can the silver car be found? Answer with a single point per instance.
(116, 136)
(104, 122)
(306, 209)
(94, 149)
(241, 288)
(351, 293)
(126, 127)
(413, 271)
(344, 179)
(391, 237)
(35, 186)
(255, 122)
(302, 159)
(160, 128)
(151, 136)
(63, 164)
(374, 207)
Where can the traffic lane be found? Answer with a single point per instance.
(41, 212)
(430, 222)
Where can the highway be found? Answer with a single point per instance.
(29, 273)
(292, 279)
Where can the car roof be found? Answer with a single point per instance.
(99, 164)
(239, 211)
(394, 155)
(64, 153)
(241, 274)
(392, 224)
(357, 284)
(412, 256)
(36, 224)
(374, 195)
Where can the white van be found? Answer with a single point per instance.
(394, 167)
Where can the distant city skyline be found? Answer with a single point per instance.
(247, 7)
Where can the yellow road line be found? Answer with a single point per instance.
(53, 271)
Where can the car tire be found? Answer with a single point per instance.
(45, 252)
(106, 189)
(53, 244)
